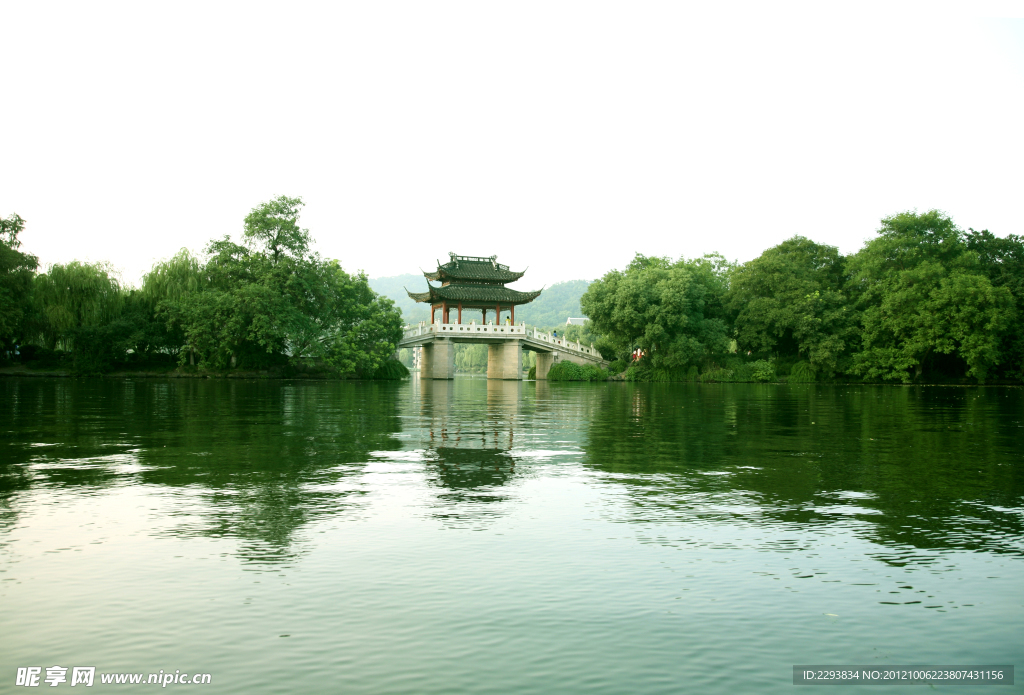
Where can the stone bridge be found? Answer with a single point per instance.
(505, 345)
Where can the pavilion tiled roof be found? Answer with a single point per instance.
(474, 294)
(473, 269)
(474, 281)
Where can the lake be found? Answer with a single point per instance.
(478, 536)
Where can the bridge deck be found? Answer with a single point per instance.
(532, 339)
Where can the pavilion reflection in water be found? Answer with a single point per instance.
(468, 441)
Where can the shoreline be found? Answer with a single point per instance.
(15, 372)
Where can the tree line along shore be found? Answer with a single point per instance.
(267, 303)
(922, 302)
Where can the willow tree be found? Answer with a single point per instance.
(168, 284)
(174, 278)
(75, 296)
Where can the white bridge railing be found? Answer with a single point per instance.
(500, 331)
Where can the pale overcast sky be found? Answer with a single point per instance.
(560, 135)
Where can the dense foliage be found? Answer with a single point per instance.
(16, 272)
(570, 371)
(673, 312)
(927, 302)
(265, 301)
(791, 301)
(391, 370)
(923, 300)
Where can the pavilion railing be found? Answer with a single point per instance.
(500, 331)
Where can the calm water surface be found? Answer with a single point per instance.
(498, 537)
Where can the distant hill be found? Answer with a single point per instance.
(554, 305)
(551, 308)
(392, 288)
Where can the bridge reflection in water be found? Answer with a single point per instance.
(469, 444)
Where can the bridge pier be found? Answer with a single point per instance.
(544, 362)
(505, 360)
(438, 361)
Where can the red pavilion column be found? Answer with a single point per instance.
(444, 312)
(513, 310)
(460, 313)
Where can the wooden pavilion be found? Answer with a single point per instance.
(473, 282)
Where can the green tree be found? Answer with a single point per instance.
(174, 278)
(672, 311)
(1002, 261)
(923, 295)
(73, 297)
(366, 332)
(790, 301)
(239, 316)
(146, 335)
(164, 290)
(258, 302)
(16, 272)
(272, 228)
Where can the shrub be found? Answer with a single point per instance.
(618, 366)
(532, 374)
(717, 375)
(98, 349)
(570, 371)
(763, 370)
(743, 373)
(391, 370)
(39, 356)
(641, 372)
(802, 373)
(637, 372)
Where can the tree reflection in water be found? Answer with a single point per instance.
(248, 459)
(915, 470)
